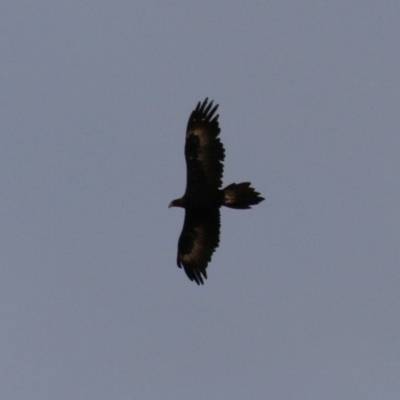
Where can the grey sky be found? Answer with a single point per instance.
(302, 300)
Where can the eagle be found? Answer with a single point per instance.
(203, 198)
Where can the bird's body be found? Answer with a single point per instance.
(203, 197)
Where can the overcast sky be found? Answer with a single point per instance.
(303, 295)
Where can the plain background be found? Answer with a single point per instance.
(302, 300)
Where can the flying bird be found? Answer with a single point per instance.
(203, 198)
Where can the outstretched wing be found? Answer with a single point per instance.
(204, 151)
(197, 243)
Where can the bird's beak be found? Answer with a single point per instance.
(170, 205)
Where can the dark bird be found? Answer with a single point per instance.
(203, 197)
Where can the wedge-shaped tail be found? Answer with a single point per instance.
(241, 196)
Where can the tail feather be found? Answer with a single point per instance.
(241, 196)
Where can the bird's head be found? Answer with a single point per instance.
(177, 203)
